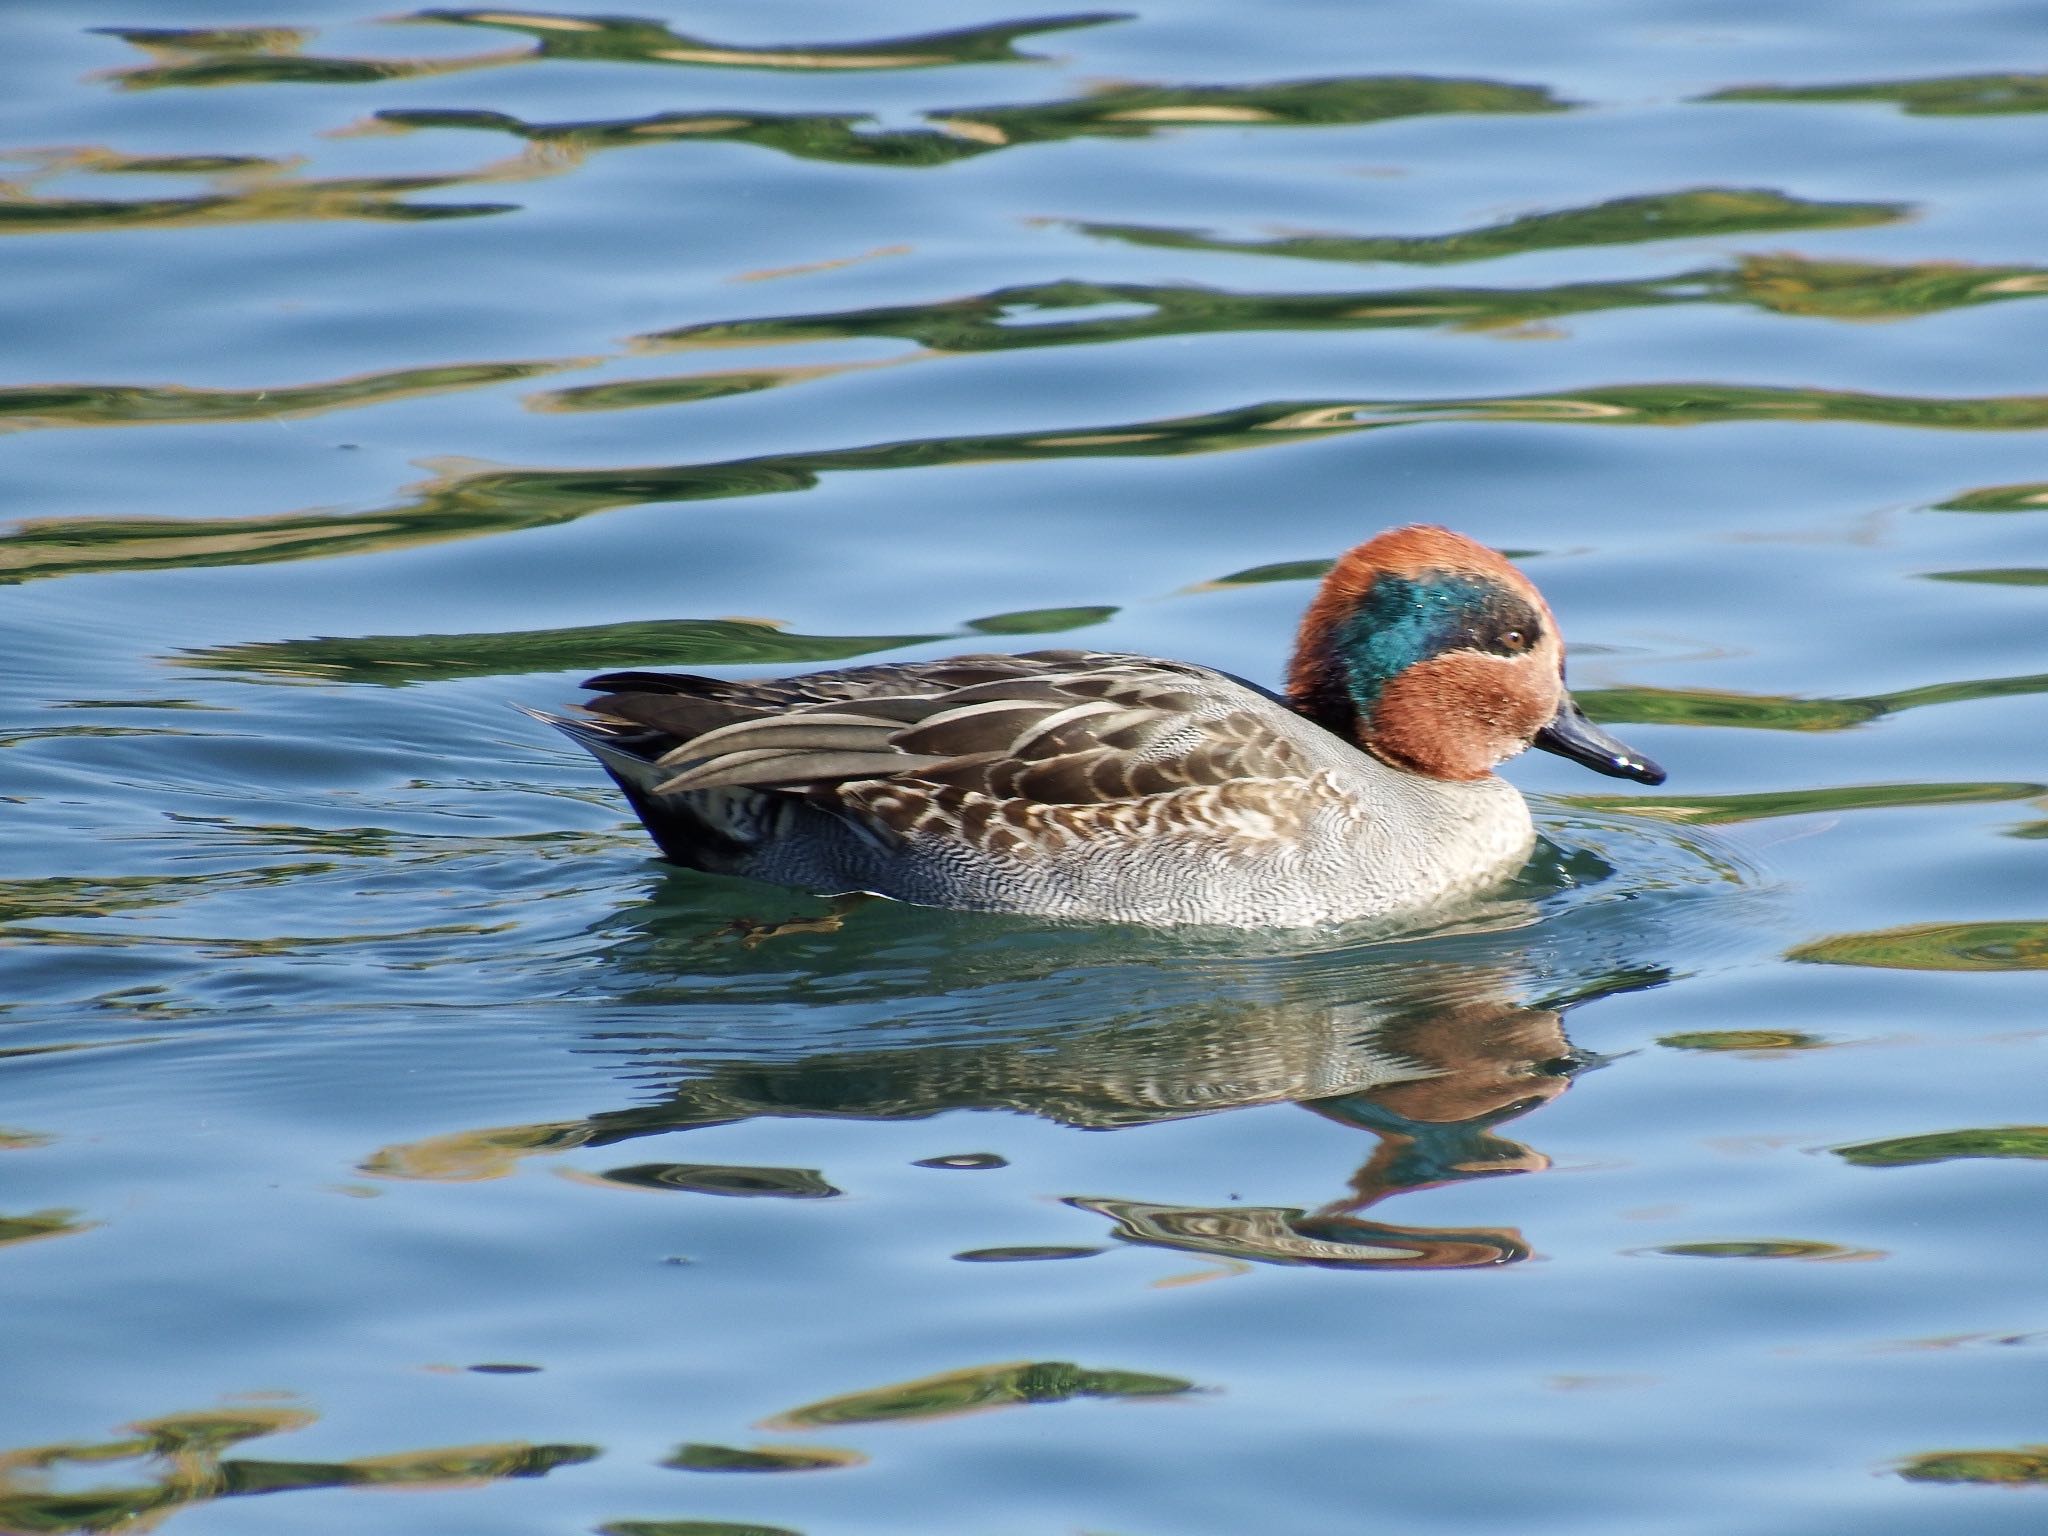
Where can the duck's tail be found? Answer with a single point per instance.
(711, 829)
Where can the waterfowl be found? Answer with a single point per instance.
(1094, 785)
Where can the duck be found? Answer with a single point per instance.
(1110, 787)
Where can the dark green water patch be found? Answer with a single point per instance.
(691, 1528)
(1282, 570)
(2007, 946)
(1026, 1253)
(837, 137)
(1742, 1040)
(2023, 576)
(1864, 290)
(685, 389)
(183, 1466)
(1042, 621)
(1720, 810)
(989, 322)
(253, 199)
(977, 1388)
(745, 1182)
(1777, 712)
(1765, 1248)
(2026, 1466)
(1933, 96)
(639, 40)
(2031, 497)
(2025, 1141)
(395, 660)
(966, 1161)
(699, 1457)
(188, 57)
(32, 1225)
(124, 405)
(1685, 405)
(1693, 214)
(995, 321)
(962, 133)
(465, 502)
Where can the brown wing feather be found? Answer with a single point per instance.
(992, 747)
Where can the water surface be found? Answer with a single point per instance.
(381, 1114)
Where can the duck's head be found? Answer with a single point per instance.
(1434, 654)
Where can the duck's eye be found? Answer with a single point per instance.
(1514, 640)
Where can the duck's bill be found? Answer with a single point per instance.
(1572, 735)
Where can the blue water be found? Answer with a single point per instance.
(380, 1113)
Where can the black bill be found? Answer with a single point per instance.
(1570, 734)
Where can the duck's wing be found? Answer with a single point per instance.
(890, 746)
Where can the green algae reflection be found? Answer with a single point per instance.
(1692, 214)
(466, 502)
(124, 405)
(1932, 96)
(698, 1457)
(2021, 1467)
(963, 133)
(1071, 313)
(1742, 1040)
(2005, 576)
(188, 57)
(638, 40)
(1779, 712)
(1723, 810)
(176, 1462)
(1992, 946)
(969, 1391)
(212, 57)
(31, 1226)
(399, 660)
(2032, 497)
(691, 1528)
(2024, 1141)
(248, 191)
(1767, 1248)
(395, 660)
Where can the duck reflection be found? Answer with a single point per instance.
(1428, 1044)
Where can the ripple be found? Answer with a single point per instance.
(968, 132)
(700, 1457)
(1927, 96)
(2023, 1141)
(1686, 215)
(1767, 1248)
(2025, 1466)
(182, 1466)
(119, 405)
(725, 1179)
(273, 194)
(629, 40)
(976, 1389)
(1994, 946)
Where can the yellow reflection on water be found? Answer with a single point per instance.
(177, 1461)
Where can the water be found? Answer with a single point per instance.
(378, 1112)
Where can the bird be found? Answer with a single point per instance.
(1109, 787)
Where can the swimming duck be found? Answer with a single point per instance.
(1087, 784)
